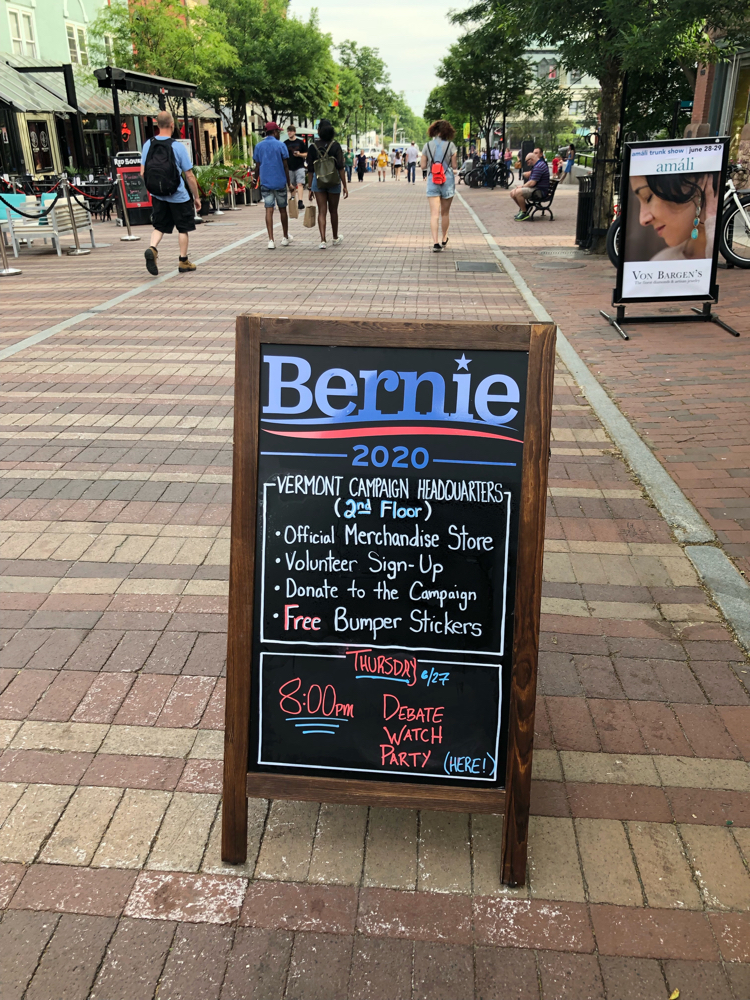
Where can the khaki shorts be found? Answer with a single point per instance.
(527, 192)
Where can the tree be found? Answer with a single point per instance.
(374, 80)
(283, 64)
(163, 38)
(485, 75)
(548, 100)
(608, 39)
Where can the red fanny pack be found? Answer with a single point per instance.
(438, 171)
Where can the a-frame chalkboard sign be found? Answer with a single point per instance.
(388, 511)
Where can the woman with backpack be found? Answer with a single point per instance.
(325, 161)
(439, 159)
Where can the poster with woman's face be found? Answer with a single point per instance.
(673, 197)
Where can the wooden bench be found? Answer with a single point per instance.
(542, 204)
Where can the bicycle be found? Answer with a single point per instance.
(734, 231)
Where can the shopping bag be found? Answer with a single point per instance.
(293, 208)
(309, 220)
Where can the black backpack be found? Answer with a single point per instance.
(161, 174)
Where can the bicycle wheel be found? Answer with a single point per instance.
(734, 238)
(613, 242)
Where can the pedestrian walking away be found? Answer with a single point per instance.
(164, 162)
(361, 166)
(397, 161)
(382, 162)
(412, 155)
(349, 163)
(272, 168)
(297, 149)
(536, 180)
(439, 158)
(325, 160)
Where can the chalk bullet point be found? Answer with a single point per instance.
(277, 587)
(278, 560)
(276, 615)
(278, 533)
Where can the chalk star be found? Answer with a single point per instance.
(463, 363)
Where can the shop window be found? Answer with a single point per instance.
(77, 44)
(22, 33)
(546, 70)
(40, 146)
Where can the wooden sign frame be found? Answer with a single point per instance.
(514, 800)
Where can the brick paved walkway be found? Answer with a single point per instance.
(115, 468)
(685, 387)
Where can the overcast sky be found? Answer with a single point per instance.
(412, 35)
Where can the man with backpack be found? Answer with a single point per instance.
(272, 167)
(164, 160)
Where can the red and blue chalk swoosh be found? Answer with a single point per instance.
(350, 432)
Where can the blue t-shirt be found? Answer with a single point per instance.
(270, 153)
(540, 174)
(184, 163)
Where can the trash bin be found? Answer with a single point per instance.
(585, 216)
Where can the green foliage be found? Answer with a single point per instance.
(650, 102)
(372, 74)
(484, 75)
(284, 64)
(161, 37)
(549, 100)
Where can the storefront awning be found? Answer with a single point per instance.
(143, 83)
(25, 93)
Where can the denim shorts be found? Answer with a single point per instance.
(272, 197)
(446, 190)
(330, 190)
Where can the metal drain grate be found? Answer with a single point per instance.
(567, 252)
(559, 265)
(477, 265)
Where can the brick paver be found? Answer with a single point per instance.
(683, 386)
(115, 474)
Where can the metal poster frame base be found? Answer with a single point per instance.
(704, 315)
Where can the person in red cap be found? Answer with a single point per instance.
(272, 167)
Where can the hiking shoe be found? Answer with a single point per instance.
(286, 241)
(300, 204)
(271, 245)
(338, 241)
(323, 246)
(185, 265)
(152, 265)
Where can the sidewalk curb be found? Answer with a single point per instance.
(726, 585)
(729, 589)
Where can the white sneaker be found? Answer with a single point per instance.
(323, 246)
(338, 241)
(286, 241)
(271, 245)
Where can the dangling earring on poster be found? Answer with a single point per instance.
(697, 220)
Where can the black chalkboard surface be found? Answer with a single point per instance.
(388, 498)
(388, 504)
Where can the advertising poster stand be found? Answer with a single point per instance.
(265, 751)
(662, 181)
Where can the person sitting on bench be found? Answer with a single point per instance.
(536, 182)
